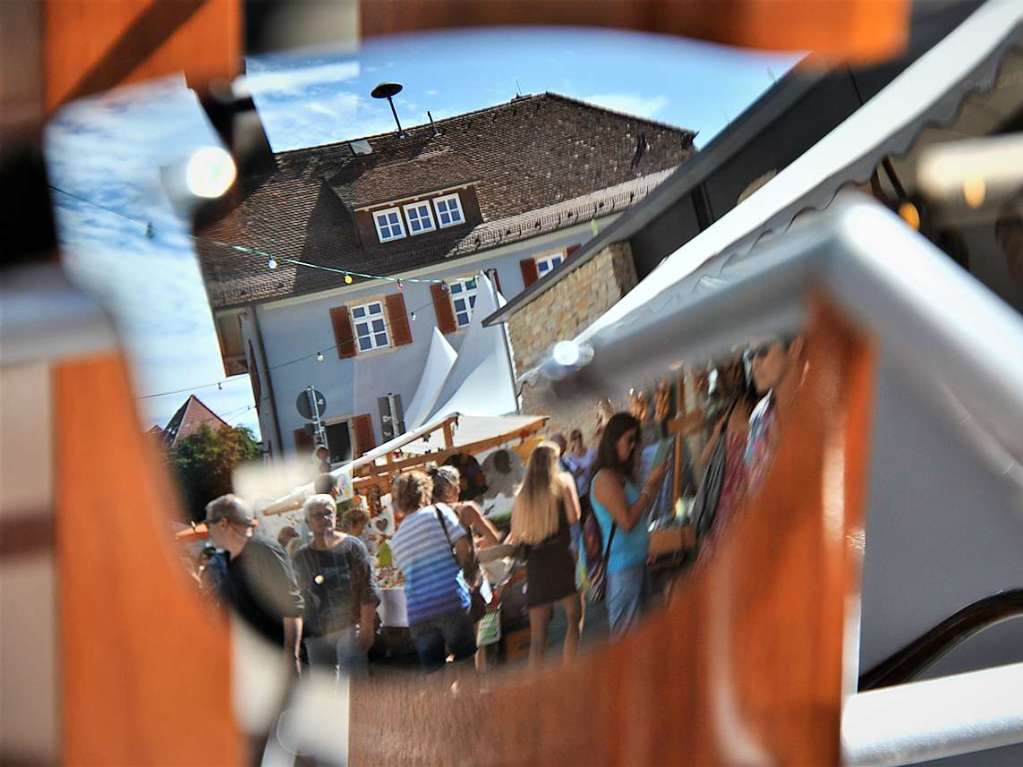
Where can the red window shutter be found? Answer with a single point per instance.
(303, 441)
(443, 309)
(362, 425)
(529, 272)
(397, 318)
(496, 279)
(344, 336)
(571, 251)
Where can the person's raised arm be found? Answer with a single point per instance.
(610, 493)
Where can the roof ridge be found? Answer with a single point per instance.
(617, 113)
(517, 100)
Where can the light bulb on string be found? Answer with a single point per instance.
(319, 356)
(272, 263)
(348, 279)
(400, 284)
(220, 386)
(413, 316)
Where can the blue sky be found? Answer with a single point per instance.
(109, 151)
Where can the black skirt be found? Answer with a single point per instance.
(550, 566)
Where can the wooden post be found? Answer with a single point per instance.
(449, 435)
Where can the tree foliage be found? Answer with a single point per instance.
(203, 463)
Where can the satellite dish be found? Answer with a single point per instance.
(389, 91)
(386, 90)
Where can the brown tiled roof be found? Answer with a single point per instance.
(187, 420)
(534, 154)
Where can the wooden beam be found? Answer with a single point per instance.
(850, 31)
(91, 47)
(145, 661)
(449, 435)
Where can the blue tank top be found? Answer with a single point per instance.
(628, 549)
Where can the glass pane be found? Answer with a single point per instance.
(471, 284)
(456, 215)
(445, 218)
(463, 319)
(365, 344)
(556, 261)
(472, 300)
(378, 325)
(459, 304)
(358, 312)
(374, 308)
(393, 218)
(381, 339)
(362, 328)
(442, 205)
(456, 287)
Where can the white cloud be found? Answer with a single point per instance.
(294, 81)
(629, 103)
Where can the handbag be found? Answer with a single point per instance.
(597, 565)
(705, 504)
(471, 572)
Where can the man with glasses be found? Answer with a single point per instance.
(260, 584)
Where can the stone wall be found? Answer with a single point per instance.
(560, 313)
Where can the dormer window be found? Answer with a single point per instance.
(389, 225)
(449, 210)
(420, 218)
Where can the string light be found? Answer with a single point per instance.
(319, 356)
(348, 279)
(272, 263)
(413, 315)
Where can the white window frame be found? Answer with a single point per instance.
(547, 259)
(468, 293)
(422, 204)
(458, 204)
(367, 319)
(401, 224)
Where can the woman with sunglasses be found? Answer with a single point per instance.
(621, 508)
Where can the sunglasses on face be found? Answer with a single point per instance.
(324, 515)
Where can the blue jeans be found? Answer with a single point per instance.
(435, 637)
(337, 652)
(626, 597)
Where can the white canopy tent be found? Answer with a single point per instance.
(482, 381)
(439, 361)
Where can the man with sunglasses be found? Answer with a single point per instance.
(777, 367)
(260, 584)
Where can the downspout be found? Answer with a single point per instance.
(269, 379)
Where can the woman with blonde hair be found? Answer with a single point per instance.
(545, 509)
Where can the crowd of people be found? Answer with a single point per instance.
(579, 522)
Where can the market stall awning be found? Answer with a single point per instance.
(466, 430)
(930, 92)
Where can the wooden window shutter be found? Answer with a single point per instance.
(496, 279)
(529, 271)
(443, 309)
(344, 336)
(362, 425)
(303, 441)
(397, 318)
(571, 251)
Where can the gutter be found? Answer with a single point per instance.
(269, 378)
